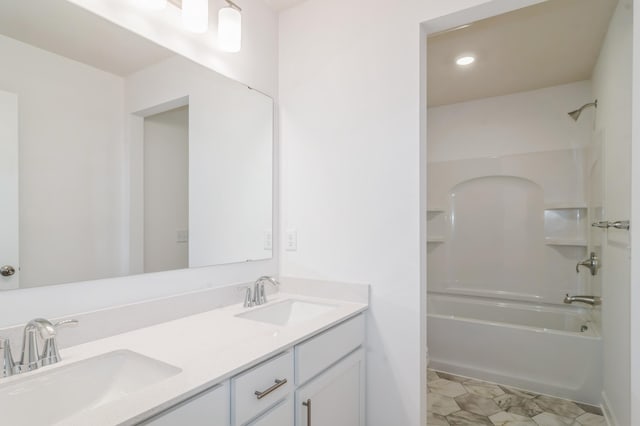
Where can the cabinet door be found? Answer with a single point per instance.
(335, 397)
(210, 408)
(281, 415)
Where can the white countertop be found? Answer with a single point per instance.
(209, 348)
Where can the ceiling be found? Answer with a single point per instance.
(551, 43)
(68, 30)
(282, 4)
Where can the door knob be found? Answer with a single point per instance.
(7, 270)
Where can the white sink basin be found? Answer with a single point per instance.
(287, 312)
(52, 395)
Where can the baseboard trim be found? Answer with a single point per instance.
(609, 417)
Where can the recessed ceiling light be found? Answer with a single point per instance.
(465, 60)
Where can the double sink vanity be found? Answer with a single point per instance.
(294, 360)
(132, 197)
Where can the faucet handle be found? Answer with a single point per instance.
(7, 365)
(50, 354)
(263, 294)
(248, 300)
(66, 323)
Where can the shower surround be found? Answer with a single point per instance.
(504, 237)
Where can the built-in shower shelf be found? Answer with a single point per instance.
(565, 242)
(435, 239)
(565, 206)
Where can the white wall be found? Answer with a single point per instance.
(71, 132)
(635, 218)
(520, 123)
(166, 190)
(350, 100)
(257, 66)
(612, 81)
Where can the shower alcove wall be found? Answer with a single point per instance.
(511, 227)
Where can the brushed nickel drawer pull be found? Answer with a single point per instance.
(307, 404)
(278, 383)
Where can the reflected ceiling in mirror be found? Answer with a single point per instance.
(120, 157)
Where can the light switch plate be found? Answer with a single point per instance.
(268, 239)
(292, 240)
(182, 236)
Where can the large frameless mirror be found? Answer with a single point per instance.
(119, 157)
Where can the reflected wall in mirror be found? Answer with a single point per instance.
(119, 157)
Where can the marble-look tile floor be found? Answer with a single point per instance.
(461, 401)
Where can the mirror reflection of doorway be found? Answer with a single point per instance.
(166, 190)
(9, 191)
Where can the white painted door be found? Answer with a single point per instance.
(616, 277)
(615, 272)
(336, 397)
(9, 189)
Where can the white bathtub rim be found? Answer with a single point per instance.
(534, 306)
(593, 333)
(499, 295)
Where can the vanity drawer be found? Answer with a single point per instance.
(320, 352)
(209, 408)
(245, 403)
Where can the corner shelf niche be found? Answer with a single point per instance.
(565, 206)
(436, 225)
(565, 242)
(565, 224)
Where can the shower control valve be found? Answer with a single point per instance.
(593, 263)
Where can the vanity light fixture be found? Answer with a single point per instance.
(195, 15)
(230, 28)
(463, 61)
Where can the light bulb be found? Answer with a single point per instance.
(154, 4)
(195, 15)
(465, 60)
(230, 29)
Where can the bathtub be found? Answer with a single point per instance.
(534, 347)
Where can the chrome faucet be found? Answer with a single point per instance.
(31, 358)
(590, 300)
(259, 296)
(593, 263)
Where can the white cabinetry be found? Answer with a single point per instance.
(327, 369)
(281, 415)
(335, 397)
(261, 387)
(209, 408)
(320, 352)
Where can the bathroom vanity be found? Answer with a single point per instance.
(296, 360)
(317, 381)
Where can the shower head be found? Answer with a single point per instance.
(576, 114)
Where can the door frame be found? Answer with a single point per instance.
(498, 7)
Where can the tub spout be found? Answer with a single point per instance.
(590, 300)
